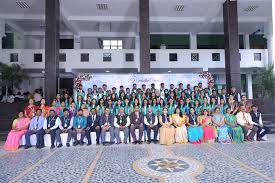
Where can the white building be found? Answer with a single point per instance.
(99, 36)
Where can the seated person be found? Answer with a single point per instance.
(36, 127)
(93, 126)
(136, 120)
(79, 125)
(65, 126)
(107, 124)
(122, 123)
(151, 123)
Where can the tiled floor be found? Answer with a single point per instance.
(249, 162)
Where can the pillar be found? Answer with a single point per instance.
(52, 14)
(2, 34)
(144, 34)
(273, 34)
(193, 41)
(232, 57)
(249, 86)
(246, 41)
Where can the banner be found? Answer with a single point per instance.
(127, 80)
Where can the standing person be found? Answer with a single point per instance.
(257, 119)
(30, 110)
(93, 125)
(37, 97)
(151, 123)
(234, 129)
(179, 122)
(236, 95)
(167, 130)
(36, 127)
(219, 121)
(50, 125)
(79, 92)
(107, 124)
(79, 125)
(245, 121)
(122, 123)
(19, 128)
(136, 119)
(65, 126)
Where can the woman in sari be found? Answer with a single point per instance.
(19, 128)
(179, 122)
(208, 129)
(167, 130)
(29, 110)
(195, 132)
(234, 130)
(219, 121)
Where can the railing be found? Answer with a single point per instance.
(160, 58)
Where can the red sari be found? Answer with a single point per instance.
(30, 111)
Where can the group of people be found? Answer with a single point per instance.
(175, 114)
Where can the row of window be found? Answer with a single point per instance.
(129, 57)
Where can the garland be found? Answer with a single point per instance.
(207, 75)
(81, 77)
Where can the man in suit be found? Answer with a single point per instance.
(151, 122)
(107, 124)
(257, 119)
(223, 96)
(136, 120)
(122, 123)
(93, 126)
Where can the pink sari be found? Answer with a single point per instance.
(14, 137)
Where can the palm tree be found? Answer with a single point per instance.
(265, 82)
(12, 75)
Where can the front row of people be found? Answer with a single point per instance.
(174, 128)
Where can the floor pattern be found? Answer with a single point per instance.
(238, 163)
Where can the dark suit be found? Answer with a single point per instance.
(93, 122)
(107, 125)
(136, 123)
(256, 119)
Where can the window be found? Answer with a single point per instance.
(153, 57)
(84, 57)
(14, 57)
(129, 57)
(107, 57)
(37, 57)
(62, 57)
(173, 57)
(112, 44)
(194, 57)
(216, 57)
(257, 56)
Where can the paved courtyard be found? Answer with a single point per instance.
(249, 162)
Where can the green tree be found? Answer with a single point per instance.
(265, 82)
(12, 75)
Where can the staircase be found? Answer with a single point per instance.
(269, 121)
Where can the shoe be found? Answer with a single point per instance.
(52, 146)
(118, 143)
(41, 147)
(75, 143)
(68, 144)
(27, 147)
(135, 142)
(125, 142)
(60, 145)
(148, 142)
(140, 142)
(104, 144)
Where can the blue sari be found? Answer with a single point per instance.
(195, 134)
(223, 135)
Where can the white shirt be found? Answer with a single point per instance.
(127, 124)
(244, 118)
(154, 121)
(56, 125)
(71, 124)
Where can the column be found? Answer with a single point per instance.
(269, 37)
(2, 34)
(144, 34)
(137, 56)
(232, 57)
(77, 42)
(246, 41)
(273, 34)
(193, 41)
(52, 12)
(249, 86)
